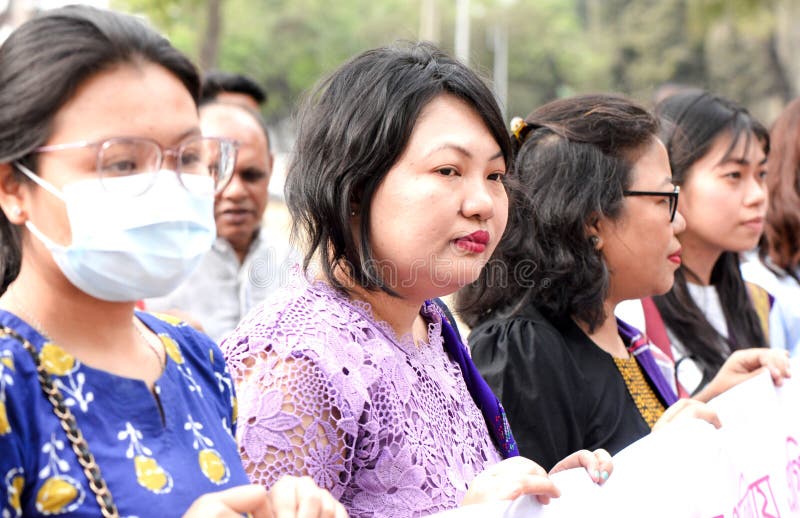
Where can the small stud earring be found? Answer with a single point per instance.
(16, 212)
(352, 213)
(594, 240)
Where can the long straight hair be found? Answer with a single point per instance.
(690, 122)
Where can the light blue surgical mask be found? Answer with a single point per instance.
(127, 248)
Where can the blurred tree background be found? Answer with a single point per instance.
(743, 49)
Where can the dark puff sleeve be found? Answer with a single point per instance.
(526, 362)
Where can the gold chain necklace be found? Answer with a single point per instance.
(77, 440)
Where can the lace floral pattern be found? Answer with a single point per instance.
(326, 391)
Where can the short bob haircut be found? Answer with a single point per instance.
(574, 162)
(43, 63)
(352, 130)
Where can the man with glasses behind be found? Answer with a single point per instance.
(244, 264)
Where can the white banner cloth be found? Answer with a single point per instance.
(750, 468)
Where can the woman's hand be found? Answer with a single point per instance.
(743, 365)
(232, 503)
(688, 408)
(598, 463)
(509, 479)
(301, 496)
(288, 498)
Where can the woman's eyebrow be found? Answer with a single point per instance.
(462, 150)
(447, 145)
(741, 161)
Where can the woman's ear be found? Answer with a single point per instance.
(12, 195)
(355, 206)
(594, 231)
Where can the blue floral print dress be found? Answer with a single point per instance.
(155, 459)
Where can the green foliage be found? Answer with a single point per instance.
(557, 47)
(651, 46)
(754, 17)
(552, 55)
(285, 45)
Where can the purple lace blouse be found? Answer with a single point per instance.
(328, 391)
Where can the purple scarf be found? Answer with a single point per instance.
(640, 347)
(482, 395)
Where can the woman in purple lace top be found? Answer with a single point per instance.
(353, 376)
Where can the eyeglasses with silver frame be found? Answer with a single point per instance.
(214, 157)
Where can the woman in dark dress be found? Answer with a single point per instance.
(593, 223)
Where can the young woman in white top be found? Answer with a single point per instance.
(718, 155)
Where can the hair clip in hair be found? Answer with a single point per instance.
(518, 127)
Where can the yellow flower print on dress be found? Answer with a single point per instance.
(174, 352)
(152, 476)
(211, 463)
(59, 493)
(55, 494)
(169, 319)
(56, 360)
(6, 380)
(15, 483)
(5, 426)
(71, 380)
(7, 359)
(149, 473)
(172, 348)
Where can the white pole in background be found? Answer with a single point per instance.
(462, 31)
(429, 21)
(500, 69)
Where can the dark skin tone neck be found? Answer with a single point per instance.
(606, 335)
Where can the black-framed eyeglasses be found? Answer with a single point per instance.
(125, 156)
(671, 196)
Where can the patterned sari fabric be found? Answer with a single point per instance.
(326, 390)
(648, 374)
(154, 463)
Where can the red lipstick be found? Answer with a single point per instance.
(475, 242)
(675, 257)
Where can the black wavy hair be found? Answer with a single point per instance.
(352, 130)
(572, 167)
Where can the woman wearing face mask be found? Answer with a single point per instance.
(105, 200)
(718, 156)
